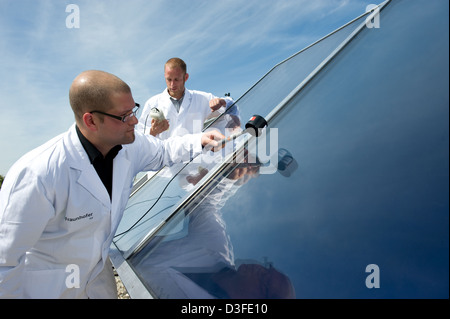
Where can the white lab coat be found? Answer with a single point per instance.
(57, 220)
(193, 112)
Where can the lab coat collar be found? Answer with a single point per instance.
(78, 161)
(121, 173)
(186, 101)
(88, 177)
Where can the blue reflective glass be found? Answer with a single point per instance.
(150, 207)
(270, 90)
(361, 180)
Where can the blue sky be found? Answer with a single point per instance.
(228, 45)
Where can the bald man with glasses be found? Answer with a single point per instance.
(61, 203)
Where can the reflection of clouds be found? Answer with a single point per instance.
(196, 241)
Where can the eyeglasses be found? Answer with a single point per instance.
(124, 118)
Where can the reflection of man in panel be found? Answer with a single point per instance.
(201, 264)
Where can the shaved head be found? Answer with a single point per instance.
(93, 90)
(176, 63)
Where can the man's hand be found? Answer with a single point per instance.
(209, 140)
(216, 104)
(158, 126)
(245, 170)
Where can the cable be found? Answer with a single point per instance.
(159, 197)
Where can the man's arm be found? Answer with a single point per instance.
(156, 153)
(217, 103)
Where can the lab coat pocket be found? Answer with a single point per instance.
(48, 284)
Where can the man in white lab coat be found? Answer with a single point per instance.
(184, 110)
(61, 203)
